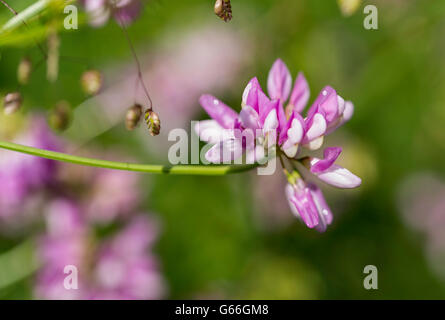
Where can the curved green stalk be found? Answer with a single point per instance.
(30, 12)
(205, 170)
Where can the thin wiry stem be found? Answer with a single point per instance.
(204, 170)
(136, 59)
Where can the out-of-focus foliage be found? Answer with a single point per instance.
(214, 242)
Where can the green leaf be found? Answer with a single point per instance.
(18, 263)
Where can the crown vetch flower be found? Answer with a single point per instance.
(269, 122)
(307, 203)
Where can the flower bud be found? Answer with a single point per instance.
(59, 118)
(24, 71)
(153, 122)
(133, 117)
(12, 102)
(91, 82)
(223, 9)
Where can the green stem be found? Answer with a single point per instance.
(205, 170)
(30, 12)
(25, 15)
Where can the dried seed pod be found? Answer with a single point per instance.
(91, 82)
(133, 117)
(24, 71)
(12, 102)
(153, 122)
(60, 117)
(223, 9)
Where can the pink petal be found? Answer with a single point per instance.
(324, 212)
(330, 155)
(250, 94)
(279, 81)
(300, 93)
(249, 118)
(263, 102)
(218, 111)
(348, 111)
(302, 204)
(327, 102)
(339, 177)
(272, 105)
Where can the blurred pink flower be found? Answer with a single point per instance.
(113, 194)
(22, 176)
(421, 200)
(99, 11)
(119, 267)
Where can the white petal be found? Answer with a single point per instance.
(340, 177)
(315, 144)
(292, 151)
(211, 131)
(349, 111)
(341, 104)
(317, 128)
(295, 132)
(271, 122)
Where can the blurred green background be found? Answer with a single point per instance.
(218, 238)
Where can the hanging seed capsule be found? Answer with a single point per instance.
(12, 102)
(223, 9)
(60, 117)
(91, 82)
(24, 71)
(133, 117)
(153, 122)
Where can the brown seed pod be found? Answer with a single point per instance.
(133, 116)
(24, 71)
(12, 102)
(153, 122)
(223, 9)
(60, 117)
(91, 82)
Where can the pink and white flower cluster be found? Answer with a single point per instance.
(276, 122)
